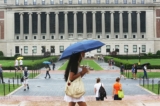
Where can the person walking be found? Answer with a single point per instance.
(135, 67)
(145, 71)
(53, 65)
(96, 90)
(116, 87)
(21, 64)
(1, 73)
(133, 71)
(16, 64)
(122, 71)
(47, 71)
(73, 71)
(25, 78)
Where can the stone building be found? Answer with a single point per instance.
(35, 26)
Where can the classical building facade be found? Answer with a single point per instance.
(35, 26)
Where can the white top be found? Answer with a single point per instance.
(71, 99)
(20, 62)
(16, 63)
(97, 86)
(145, 67)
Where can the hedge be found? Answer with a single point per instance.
(127, 64)
(36, 64)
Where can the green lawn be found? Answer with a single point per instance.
(155, 90)
(151, 61)
(7, 88)
(12, 74)
(150, 74)
(90, 63)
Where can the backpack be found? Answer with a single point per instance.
(25, 73)
(102, 92)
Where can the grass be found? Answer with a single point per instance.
(7, 88)
(12, 74)
(151, 61)
(155, 90)
(90, 63)
(150, 74)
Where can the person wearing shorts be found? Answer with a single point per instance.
(25, 77)
(116, 87)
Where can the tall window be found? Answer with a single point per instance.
(107, 1)
(133, 1)
(116, 1)
(125, 1)
(61, 49)
(60, 1)
(5, 1)
(126, 48)
(142, 1)
(79, 1)
(99, 50)
(108, 47)
(25, 49)
(34, 49)
(98, 1)
(16, 49)
(52, 2)
(70, 1)
(134, 48)
(43, 2)
(17, 2)
(34, 2)
(89, 1)
(25, 2)
(117, 48)
(154, 0)
(143, 48)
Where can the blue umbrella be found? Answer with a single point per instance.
(46, 62)
(85, 45)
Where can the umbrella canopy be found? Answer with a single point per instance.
(146, 64)
(85, 45)
(20, 58)
(46, 62)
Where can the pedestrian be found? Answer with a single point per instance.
(96, 90)
(47, 71)
(116, 87)
(25, 78)
(21, 64)
(16, 64)
(122, 71)
(53, 65)
(145, 71)
(110, 63)
(74, 71)
(135, 71)
(1, 73)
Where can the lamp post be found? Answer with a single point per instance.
(127, 54)
(32, 54)
(21, 51)
(139, 55)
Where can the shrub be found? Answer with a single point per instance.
(1, 53)
(158, 52)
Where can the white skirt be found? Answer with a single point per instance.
(70, 99)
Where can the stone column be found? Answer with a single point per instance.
(84, 25)
(66, 24)
(138, 25)
(94, 24)
(112, 24)
(39, 25)
(21, 26)
(30, 26)
(75, 24)
(129, 24)
(103, 24)
(121, 24)
(47, 25)
(57, 25)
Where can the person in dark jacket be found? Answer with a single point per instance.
(47, 71)
(1, 73)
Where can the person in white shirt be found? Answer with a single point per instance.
(16, 64)
(96, 89)
(21, 64)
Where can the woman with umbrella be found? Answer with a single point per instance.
(73, 71)
(47, 71)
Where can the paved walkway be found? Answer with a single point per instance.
(50, 90)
